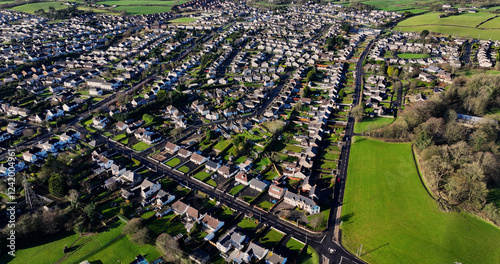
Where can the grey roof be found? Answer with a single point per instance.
(258, 184)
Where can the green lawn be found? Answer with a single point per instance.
(107, 134)
(328, 165)
(387, 209)
(221, 145)
(412, 56)
(184, 169)
(173, 162)
(308, 256)
(119, 137)
(142, 10)
(265, 205)
(371, 123)
(202, 175)
(105, 247)
(271, 239)
(140, 146)
(236, 189)
(248, 224)
(294, 245)
(183, 20)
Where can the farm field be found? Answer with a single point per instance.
(389, 211)
(104, 247)
(463, 25)
(31, 8)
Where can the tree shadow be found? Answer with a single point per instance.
(96, 262)
(347, 217)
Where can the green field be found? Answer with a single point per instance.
(184, 169)
(271, 238)
(183, 20)
(236, 189)
(119, 137)
(173, 162)
(372, 123)
(104, 247)
(387, 209)
(144, 10)
(221, 145)
(294, 245)
(248, 224)
(137, 3)
(308, 256)
(140, 146)
(266, 205)
(462, 25)
(412, 56)
(31, 8)
(202, 175)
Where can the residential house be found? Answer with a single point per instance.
(99, 122)
(184, 153)
(256, 251)
(171, 147)
(198, 159)
(257, 185)
(148, 188)
(302, 202)
(211, 223)
(163, 197)
(194, 214)
(242, 178)
(232, 239)
(15, 128)
(180, 207)
(227, 171)
(276, 192)
(275, 258)
(211, 166)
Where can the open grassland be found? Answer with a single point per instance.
(31, 8)
(183, 20)
(387, 209)
(105, 247)
(463, 25)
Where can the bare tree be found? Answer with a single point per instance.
(132, 226)
(317, 221)
(27, 133)
(73, 197)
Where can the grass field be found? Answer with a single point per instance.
(202, 175)
(140, 146)
(173, 162)
(265, 205)
(183, 20)
(103, 247)
(308, 256)
(236, 189)
(119, 137)
(387, 209)
(271, 238)
(412, 56)
(184, 169)
(372, 123)
(294, 245)
(248, 224)
(221, 145)
(31, 8)
(461, 25)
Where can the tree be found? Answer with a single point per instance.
(345, 26)
(28, 133)
(275, 126)
(148, 118)
(141, 236)
(358, 112)
(317, 221)
(57, 185)
(73, 197)
(133, 226)
(424, 33)
(166, 243)
(161, 95)
(390, 70)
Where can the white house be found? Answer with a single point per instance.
(148, 188)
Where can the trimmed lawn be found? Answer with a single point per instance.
(119, 137)
(148, 214)
(184, 169)
(140, 146)
(294, 245)
(183, 20)
(107, 134)
(266, 205)
(325, 214)
(248, 223)
(412, 56)
(236, 189)
(387, 208)
(328, 165)
(221, 145)
(308, 256)
(202, 175)
(173, 162)
(258, 166)
(372, 123)
(271, 239)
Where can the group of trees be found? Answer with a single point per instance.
(59, 14)
(459, 162)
